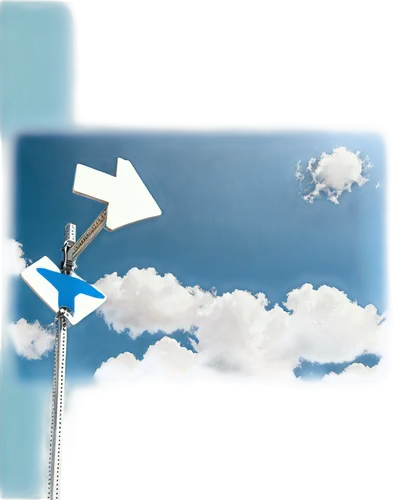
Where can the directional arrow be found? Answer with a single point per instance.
(62, 290)
(128, 198)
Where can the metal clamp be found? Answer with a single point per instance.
(67, 265)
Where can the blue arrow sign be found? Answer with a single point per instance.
(59, 290)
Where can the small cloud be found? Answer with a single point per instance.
(332, 174)
(15, 261)
(30, 340)
(165, 358)
(299, 174)
(358, 376)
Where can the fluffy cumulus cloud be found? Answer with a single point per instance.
(327, 327)
(359, 376)
(334, 173)
(30, 340)
(14, 258)
(166, 357)
(239, 332)
(143, 300)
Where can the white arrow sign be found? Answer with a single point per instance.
(128, 198)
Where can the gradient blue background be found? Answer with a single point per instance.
(232, 218)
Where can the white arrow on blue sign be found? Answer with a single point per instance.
(59, 290)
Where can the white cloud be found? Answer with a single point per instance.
(143, 300)
(30, 340)
(236, 331)
(299, 175)
(15, 262)
(359, 376)
(327, 327)
(166, 357)
(168, 360)
(334, 173)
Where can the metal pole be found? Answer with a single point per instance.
(71, 251)
(56, 452)
(60, 351)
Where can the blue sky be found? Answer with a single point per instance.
(233, 217)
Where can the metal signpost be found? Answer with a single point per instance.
(68, 295)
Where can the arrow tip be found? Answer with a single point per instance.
(133, 201)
